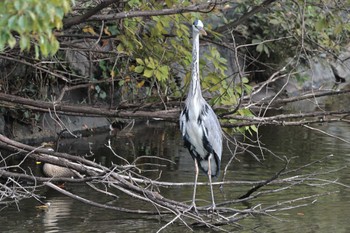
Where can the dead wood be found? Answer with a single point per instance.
(155, 112)
(123, 179)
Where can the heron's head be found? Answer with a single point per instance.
(199, 27)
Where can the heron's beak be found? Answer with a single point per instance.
(202, 32)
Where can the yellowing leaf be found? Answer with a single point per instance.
(127, 78)
(89, 29)
(338, 29)
(112, 73)
(140, 84)
(120, 48)
(106, 31)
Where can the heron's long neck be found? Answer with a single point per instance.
(195, 87)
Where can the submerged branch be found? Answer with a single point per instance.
(122, 179)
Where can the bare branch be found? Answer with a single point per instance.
(68, 22)
(131, 14)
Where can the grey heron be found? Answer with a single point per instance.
(199, 124)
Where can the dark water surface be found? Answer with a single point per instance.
(328, 213)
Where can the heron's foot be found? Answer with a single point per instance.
(192, 208)
(212, 209)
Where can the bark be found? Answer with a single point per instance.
(14, 102)
(172, 114)
(68, 22)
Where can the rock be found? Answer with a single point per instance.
(48, 129)
(341, 67)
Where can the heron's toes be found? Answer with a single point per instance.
(212, 209)
(192, 208)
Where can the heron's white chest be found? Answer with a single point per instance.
(195, 128)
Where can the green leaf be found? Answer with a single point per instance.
(140, 61)
(266, 50)
(256, 41)
(22, 23)
(24, 42)
(36, 48)
(121, 82)
(12, 20)
(139, 69)
(150, 63)
(33, 20)
(254, 128)
(275, 21)
(169, 3)
(158, 75)
(148, 73)
(102, 95)
(11, 41)
(32, 16)
(260, 48)
(321, 24)
(97, 88)
(164, 70)
(245, 80)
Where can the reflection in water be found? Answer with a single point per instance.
(328, 214)
(60, 208)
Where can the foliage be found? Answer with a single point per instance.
(151, 68)
(153, 52)
(162, 44)
(156, 45)
(32, 19)
(306, 25)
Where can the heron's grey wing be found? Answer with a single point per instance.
(212, 130)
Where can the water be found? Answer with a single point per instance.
(329, 213)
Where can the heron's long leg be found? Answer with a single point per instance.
(213, 206)
(195, 185)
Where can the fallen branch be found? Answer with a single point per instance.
(121, 179)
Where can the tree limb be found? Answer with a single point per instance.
(172, 11)
(69, 22)
(245, 17)
(262, 184)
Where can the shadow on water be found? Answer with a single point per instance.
(328, 214)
